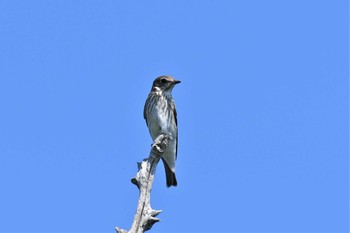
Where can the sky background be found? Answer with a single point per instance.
(263, 114)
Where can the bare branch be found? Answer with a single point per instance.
(145, 216)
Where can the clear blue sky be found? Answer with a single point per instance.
(263, 113)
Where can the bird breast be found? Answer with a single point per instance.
(162, 119)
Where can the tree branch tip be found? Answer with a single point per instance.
(154, 220)
(150, 223)
(118, 230)
(155, 212)
(135, 182)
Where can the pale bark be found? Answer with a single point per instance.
(145, 216)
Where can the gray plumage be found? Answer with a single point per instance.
(161, 117)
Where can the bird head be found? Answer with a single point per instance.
(164, 83)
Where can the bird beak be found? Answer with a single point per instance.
(177, 81)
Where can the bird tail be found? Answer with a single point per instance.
(170, 175)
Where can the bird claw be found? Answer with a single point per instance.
(161, 142)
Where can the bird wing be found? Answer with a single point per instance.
(175, 117)
(144, 110)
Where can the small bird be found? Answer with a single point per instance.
(161, 118)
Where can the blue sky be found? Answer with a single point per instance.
(263, 113)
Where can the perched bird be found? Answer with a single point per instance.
(161, 118)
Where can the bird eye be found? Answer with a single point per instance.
(163, 80)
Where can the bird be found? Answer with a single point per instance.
(161, 118)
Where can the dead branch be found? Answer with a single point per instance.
(145, 216)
